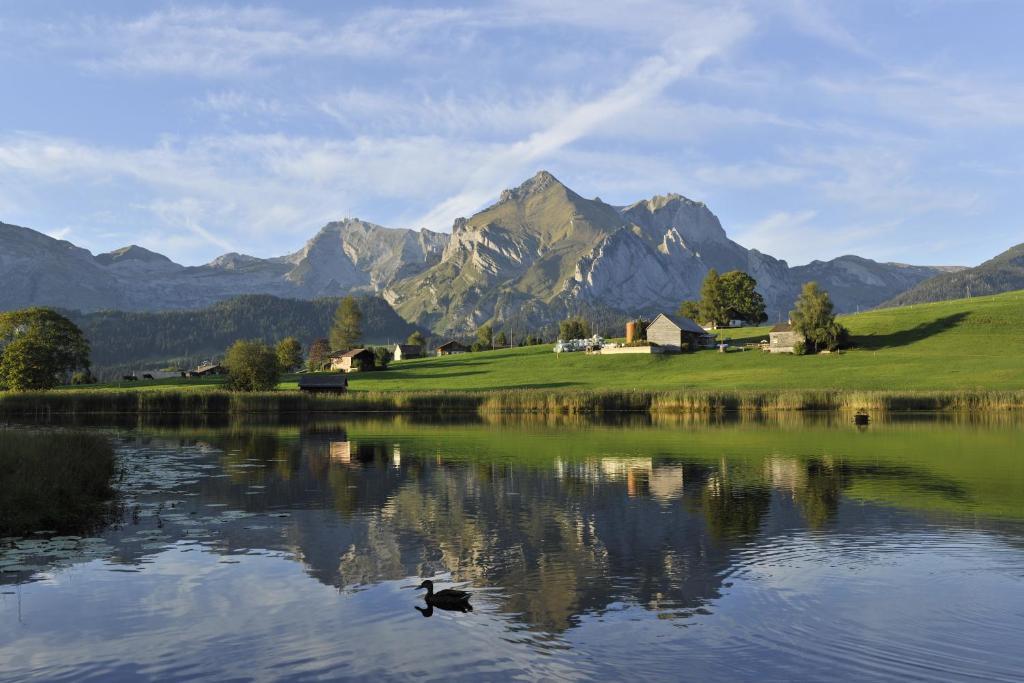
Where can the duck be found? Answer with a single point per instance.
(447, 599)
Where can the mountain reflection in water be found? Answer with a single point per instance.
(561, 526)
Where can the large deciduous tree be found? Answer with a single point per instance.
(347, 329)
(39, 348)
(252, 366)
(742, 300)
(732, 296)
(289, 354)
(319, 354)
(416, 339)
(813, 318)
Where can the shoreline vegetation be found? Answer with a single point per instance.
(514, 401)
(60, 481)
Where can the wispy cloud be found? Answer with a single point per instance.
(707, 34)
(803, 236)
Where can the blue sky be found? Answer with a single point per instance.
(890, 129)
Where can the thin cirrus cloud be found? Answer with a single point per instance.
(257, 124)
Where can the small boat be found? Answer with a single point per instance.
(861, 418)
(447, 599)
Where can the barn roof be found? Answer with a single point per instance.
(452, 343)
(320, 380)
(684, 324)
(350, 354)
(409, 348)
(782, 327)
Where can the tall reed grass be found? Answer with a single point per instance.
(85, 402)
(57, 481)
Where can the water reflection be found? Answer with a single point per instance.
(563, 526)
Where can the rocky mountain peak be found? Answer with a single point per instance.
(132, 252)
(234, 261)
(541, 182)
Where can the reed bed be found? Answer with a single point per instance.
(684, 401)
(56, 481)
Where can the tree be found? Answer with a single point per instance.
(319, 353)
(574, 328)
(39, 348)
(742, 300)
(252, 366)
(382, 356)
(714, 306)
(347, 329)
(501, 340)
(289, 354)
(485, 337)
(416, 339)
(813, 318)
(690, 309)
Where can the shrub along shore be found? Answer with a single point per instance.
(522, 401)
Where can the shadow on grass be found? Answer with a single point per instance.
(410, 374)
(909, 336)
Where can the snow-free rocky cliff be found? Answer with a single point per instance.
(542, 251)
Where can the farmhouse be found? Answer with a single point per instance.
(323, 384)
(206, 369)
(784, 338)
(451, 348)
(404, 351)
(676, 333)
(351, 361)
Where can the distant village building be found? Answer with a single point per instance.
(675, 333)
(351, 361)
(783, 338)
(207, 369)
(323, 384)
(404, 351)
(732, 324)
(451, 348)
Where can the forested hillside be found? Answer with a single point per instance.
(1004, 273)
(125, 341)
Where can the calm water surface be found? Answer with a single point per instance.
(800, 550)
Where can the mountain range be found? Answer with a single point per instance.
(1004, 273)
(540, 252)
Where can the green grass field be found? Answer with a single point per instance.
(969, 344)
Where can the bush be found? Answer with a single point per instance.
(83, 377)
(252, 366)
(800, 348)
(382, 356)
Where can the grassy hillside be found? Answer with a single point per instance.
(971, 344)
(967, 344)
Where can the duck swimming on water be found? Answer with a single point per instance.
(448, 599)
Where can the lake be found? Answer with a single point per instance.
(795, 548)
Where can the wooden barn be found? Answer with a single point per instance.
(783, 338)
(352, 361)
(405, 351)
(451, 348)
(676, 333)
(324, 384)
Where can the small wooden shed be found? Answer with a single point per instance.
(404, 351)
(451, 348)
(335, 383)
(783, 338)
(675, 333)
(351, 361)
(207, 369)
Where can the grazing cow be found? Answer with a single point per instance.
(147, 376)
(129, 378)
